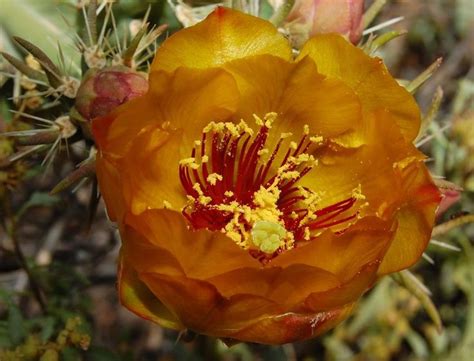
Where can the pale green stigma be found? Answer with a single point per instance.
(268, 236)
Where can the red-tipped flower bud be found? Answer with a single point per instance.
(311, 17)
(102, 90)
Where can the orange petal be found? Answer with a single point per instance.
(371, 166)
(346, 293)
(298, 93)
(190, 300)
(415, 219)
(135, 296)
(368, 77)
(215, 259)
(328, 106)
(188, 98)
(201, 308)
(113, 132)
(242, 317)
(223, 36)
(201, 254)
(110, 188)
(291, 327)
(284, 286)
(150, 171)
(147, 155)
(343, 255)
(147, 257)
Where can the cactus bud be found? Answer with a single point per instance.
(102, 90)
(311, 17)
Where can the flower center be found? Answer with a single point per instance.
(237, 186)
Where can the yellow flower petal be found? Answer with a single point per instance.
(415, 219)
(200, 254)
(372, 166)
(173, 103)
(135, 296)
(298, 93)
(187, 98)
(114, 132)
(225, 35)
(157, 184)
(291, 327)
(276, 283)
(241, 317)
(346, 293)
(344, 254)
(110, 188)
(368, 77)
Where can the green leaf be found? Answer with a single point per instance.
(38, 199)
(47, 330)
(5, 341)
(16, 325)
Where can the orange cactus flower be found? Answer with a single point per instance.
(259, 195)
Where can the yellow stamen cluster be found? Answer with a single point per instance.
(260, 225)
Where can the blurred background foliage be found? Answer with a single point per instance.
(58, 299)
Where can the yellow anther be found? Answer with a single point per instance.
(197, 188)
(228, 193)
(269, 119)
(306, 129)
(216, 127)
(307, 234)
(302, 158)
(167, 205)
(268, 236)
(187, 161)
(213, 178)
(205, 200)
(191, 162)
(205, 159)
(233, 235)
(233, 129)
(244, 127)
(285, 135)
(290, 175)
(357, 193)
(258, 120)
(202, 198)
(316, 139)
(266, 198)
